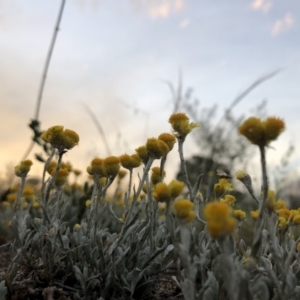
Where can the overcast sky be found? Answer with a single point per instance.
(113, 56)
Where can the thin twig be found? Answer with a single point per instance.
(44, 74)
(99, 127)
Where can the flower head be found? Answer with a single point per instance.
(97, 168)
(273, 127)
(61, 177)
(260, 132)
(112, 165)
(228, 199)
(155, 175)
(219, 220)
(169, 139)
(239, 214)
(176, 188)
(143, 154)
(23, 168)
(60, 138)
(181, 125)
(184, 210)
(130, 161)
(254, 214)
(156, 148)
(222, 186)
(161, 192)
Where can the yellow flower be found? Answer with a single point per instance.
(296, 219)
(88, 203)
(282, 223)
(239, 214)
(217, 211)
(66, 165)
(5, 204)
(155, 175)
(23, 168)
(112, 166)
(96, 168)
(176, 188)
(162, 206)
(122, 174)
(28, 193)
(273, 127)
(222, 186)
(169, 139)
(279, 204)
(183, 209)
(11, 197)
(61, 177)
(156, 148)
(253, 130)
(161, 193)
(37, 221)
(241, 175)
(219, 220)
(9, 224)
(71, 139)
(77, 172)
(51, 167)
(220, 228)
(261, 132)
(77, 227)
(60, 138)
(130, 161)
(143, 154)
(228, 199)
(284, 212)
(181, 125)
(53, 230)
(254, 214)
(36, 204)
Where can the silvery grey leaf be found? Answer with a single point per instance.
(291, 280)
(3, 290)
(210, 289)
(188, 289)
(79, 276)
(66, 242)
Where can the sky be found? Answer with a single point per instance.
(115, 56)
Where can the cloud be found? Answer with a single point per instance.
(283, 24)
(263, 5)
(184, 23)
(159, 8)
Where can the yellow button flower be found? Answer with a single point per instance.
(181, 124)
(183, 210)
(23, 168)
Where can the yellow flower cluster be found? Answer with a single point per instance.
(166, 193)
(130, 161)
(222, 187)
(228, 199)
(184, 210)
(260, 132)
(59, 138)
(108, 167)
(219, 219)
